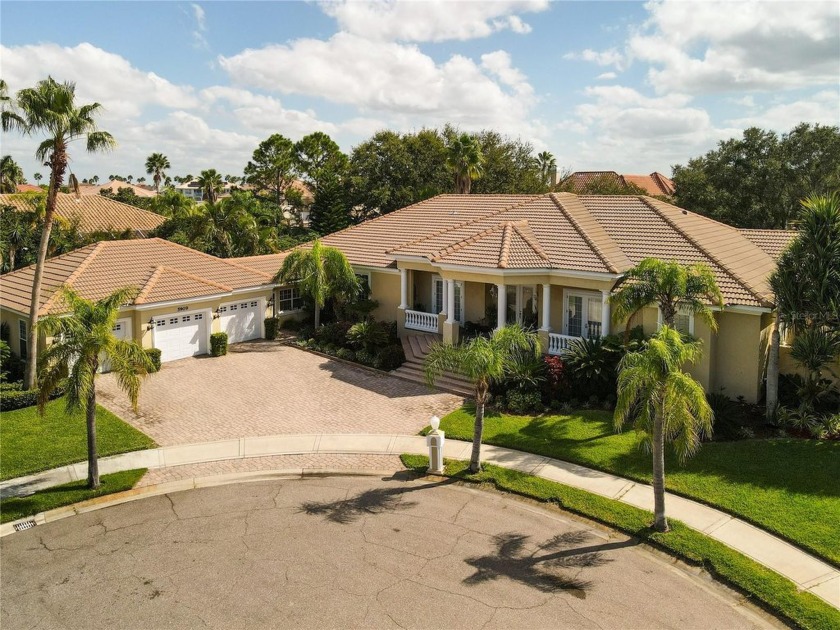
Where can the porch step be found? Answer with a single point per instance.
(416, 348)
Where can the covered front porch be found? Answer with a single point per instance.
(561, 310)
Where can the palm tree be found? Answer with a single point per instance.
(50, 108)
(210, 182)
(320, 273)
(664, 403)
(806, 283)
(156, 164)
(17, 228)
(84, 340)
(129, 178)
(481, 360)
(465, 159)
(10, 174)
(547, 165)
(38, 177)
(95, 179)
(671, 286)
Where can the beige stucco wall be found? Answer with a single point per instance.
(475, 298)
(738, 358)
(421, 294)
(385, 289)
(11, 319)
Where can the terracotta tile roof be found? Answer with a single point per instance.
(606, 234)
(774, 242)
(87, 190)
(21, 188)
(161, 271)
(654, 184)
(96, 213)
(267, 263)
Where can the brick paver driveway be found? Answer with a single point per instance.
(264, 388)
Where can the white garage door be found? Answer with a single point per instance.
(179, 336)
(241, 320)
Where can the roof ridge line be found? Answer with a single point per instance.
(469, 240)
(76, 272)
(744, 283)
(504, 250)
(534, 243)
(461, 225)
(206, 255)
(150, 284)
(597, 250)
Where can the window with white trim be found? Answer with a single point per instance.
(23, 344)
(439, 298)
(289, 300)
(582, 314)
(683, 321)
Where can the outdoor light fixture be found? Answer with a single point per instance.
(217, 313)
(435, 422)
(151, 323)
(271, 304)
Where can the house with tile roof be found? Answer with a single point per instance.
(655, 184)
(114, 186)
(182, 295)
(551, 261)
(95, 213)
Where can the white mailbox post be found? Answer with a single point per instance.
(435, 440)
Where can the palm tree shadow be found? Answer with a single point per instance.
(548, 572)
(366, 503)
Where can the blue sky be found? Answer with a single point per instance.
(626, 86)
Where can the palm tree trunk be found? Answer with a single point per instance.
(58, 165)
(93, 459)
(773, 369)
(475, 457)
(12, 255)
(317, 316)
(660, 522)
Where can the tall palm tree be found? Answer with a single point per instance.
(84, 340)
(465, 159)
(806, 283)
(211, 183)
(320, 273)
(156, 164)
(10, 174)
(547, 165)
(50, 108)
(38, 177)
(664, 404)
(95, 179)
(481, 360)
(670, 286)
(17, 229)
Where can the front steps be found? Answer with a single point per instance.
(416, 347)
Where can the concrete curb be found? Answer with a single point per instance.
(806, 571)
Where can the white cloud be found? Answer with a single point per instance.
(431, 20)
(100, 76)
(702, 47)
(819, 108)
(199, 39)
(607, 76)
(611, 57)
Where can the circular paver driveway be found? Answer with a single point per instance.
(345, 552)
(265, 388)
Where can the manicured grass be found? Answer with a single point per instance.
(787, 486)
(18, 507)
(30, 443)
(769, 588)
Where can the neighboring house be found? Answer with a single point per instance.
(25, 188)
(552, 261)
(96, 213)
(183, 295)
(193, 190)
(114, 186)
(655, 184)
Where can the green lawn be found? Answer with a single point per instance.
(787, 486)
(758, 582)
(18, 507)
(30, 443)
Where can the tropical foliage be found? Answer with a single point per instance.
(10, 175)
(664, 404)
(50, 108)
(156, 165)
(211, 184)
(481, 360)
(466, 161)
(84, 343)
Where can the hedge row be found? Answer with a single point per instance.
(11, 399)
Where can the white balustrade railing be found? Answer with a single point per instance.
(417, 320)
(558, 344)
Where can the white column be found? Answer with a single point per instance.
(403, 288)
(605, 313)
(546, 309)
(450, 301)
(501, 311)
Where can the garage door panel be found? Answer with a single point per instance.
(180, 336)
(241, 320)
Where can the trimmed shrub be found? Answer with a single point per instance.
(365, 358)
(306, 332)
(154, 357)
(218, 344)
(524, 402)
(11, 399)
(390, 358)
(291, 323)
(272, 325)
(334, 334)
(346, 353)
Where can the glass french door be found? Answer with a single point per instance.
(521, 304)
(439, 298)
(583, 315)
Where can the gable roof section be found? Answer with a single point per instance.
(159, 269)
(773, 242)
(509, 244)
(96, 213)
(654, 184)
